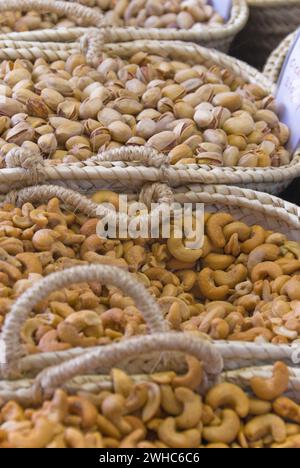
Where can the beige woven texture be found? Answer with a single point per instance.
(119, 168)
(210, 36)
(86, 15)
(269, 23)
(248, 206)
(159, 352)
(277, 58)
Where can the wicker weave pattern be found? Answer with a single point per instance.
(219, 38)
(276, 60)
(95, 172)
(244, 205)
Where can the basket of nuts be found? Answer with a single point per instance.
(37, 20)
(241, 289)
(189, 20)
(192, 114)
(269, 23)
(189, 405)
(276, 60)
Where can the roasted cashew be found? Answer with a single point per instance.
(85, 409)
(122, 383)
(152, 405)
(268, 424)
(291, 442)
(38, 437)
(107, 428)
(169, 403)
(226, 432)
(208, 288)
(215, 226)
(287, 409)
(269, 389)
(113, 408)
(231, 278)
(218, 261)
(241, 229)
(252, 334)
(259, 407)
(292, 289)
(264, 270)
(74, 438)
(257, 238)
(180, 252)
(31, 263)
(194, 377)
(188, 279)
(132, 439)
(192, 408)
(44, 239)
(49, 342)
(269, 252)
(227, 395)
(168, 434)
(164, 276)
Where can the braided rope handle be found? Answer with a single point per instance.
(142, 154)
(23, 306)
(89, 15)
(109, 356)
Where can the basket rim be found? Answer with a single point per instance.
(234, 353)
(238, 18)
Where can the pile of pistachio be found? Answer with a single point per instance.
(193, 113)
(242, 285)
(19, 21)
(175, 14)
(162, 410)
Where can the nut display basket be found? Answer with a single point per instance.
(210, 36)
(269, 23)
(76, 14)
(244, 205)
(277, 58)
(121, 166)
(84, 379)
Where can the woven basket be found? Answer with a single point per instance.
(136, 163)
(217, 37)
(139, 358)
(270, 22)
(251, 207)
(85, 16)
(277, 58)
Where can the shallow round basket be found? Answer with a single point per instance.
(269, 22)
(277, 58)
(86, 17)
(209, 36)
(140, 164)
(250, 207)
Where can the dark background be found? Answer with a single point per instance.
(292, 193)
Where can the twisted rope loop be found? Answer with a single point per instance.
(32, 163)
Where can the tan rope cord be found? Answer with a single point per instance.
(33, 163)
(24, 305)
(89, 15)
(110, 356)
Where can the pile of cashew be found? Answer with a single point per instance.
(163, 410)
(242, 285)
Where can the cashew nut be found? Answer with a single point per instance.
(168, 434)
(261, 426)
(269, 389)
(227, 395)
(214, 227)
(209, 289)
(227, 431)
